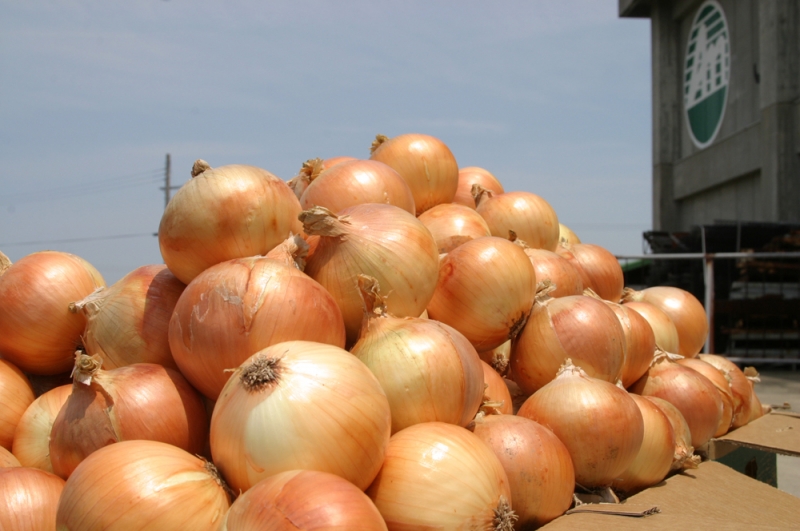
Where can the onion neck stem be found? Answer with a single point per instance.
(378, 142)
(5, 263)
(199, 167)
(86, 367)
(320, 221)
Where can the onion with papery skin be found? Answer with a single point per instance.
(538, 465)
(496, 396)
(485, 290)
(598, 422)
(601, 267)
(683, 457)
(140, 401)
(143, 485)
(309, 171)
(740, 387)
(357, 182)
(578, 327)
(664, 330)
(686, 312)
(300, 405)
(451, 225)
(756, 408)
(474, 175)
(429, 371)
(32, 437)
(566, 235)
(441, 476)
(5, 263)
(562, 274)
(723, 385)
(425, 162)
(382, 241)
(38, 334)
(16, 394)
(7, 459)
(498, 357)
(303, 500)
(29, 498)
(238, 307)
(528, 215)
(224, 213)
(128, 322)
(692, 393)
(333, 161)
(563, 250)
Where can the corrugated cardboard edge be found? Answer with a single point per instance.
(778, 432)
(616, 509)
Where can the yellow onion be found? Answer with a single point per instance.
(528, 215)
(441, 476)
(7, 459)
(566, 235)
(683, 456)
(140, 401)
(300, 405)
(5, 263)
(560, 272)
(601, 267)
(429, 371)
(686, 312)
(485, 291)
(16, 394)
(333, 161)
(538, 465)
(654, 460)
(498, 357)
(236, 308)
(756, 408)
(716, 377)
(142, 485)
(38, 334)
(581, 328)
(740, 387)
(496, 394)
(666, 335)
(32, 438)
(224, 213)
(474, 175)
(382, 241)
(425, 162)
(309, 171)
(303, 500)
(29, 498)
(598, 422)
(128, 322)
(692, 393)
(356, 182)
(563, 250)
(452, 224)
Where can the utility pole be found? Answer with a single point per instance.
(167, 184)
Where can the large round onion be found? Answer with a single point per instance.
(140, 401)
(29, 498)
(426, 164)
(356, 182)
(224, 213)
(32, 438)
(38, 334)
(683, 456)
(666, 335)
(686, 312)
(601, 267)
(475, 175)
(496, 395)
(485, 290)
(382, 241)
(578, 327)
(740, 387)
(300, 405)
(303, 500)
(429, 371)
(528, 215)
(236, 308)
(716, 377)
(451, 225)
(538, 465)
(598, 422)
(16, 394)
(441, 476)
(129, 322)
(142, 485)
(550, 267)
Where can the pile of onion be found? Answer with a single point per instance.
(560, 272)
(600, 266)
(474, 175)
(38, 334)
(32, 437)
(528, 215)
(29, 498)
(300, 405)
(683, 456)
(16, 395)
(666, 335)
(452, 224)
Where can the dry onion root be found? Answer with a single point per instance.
(498, 357)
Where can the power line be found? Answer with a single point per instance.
(74, 240)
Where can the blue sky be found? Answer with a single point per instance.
(551, 97)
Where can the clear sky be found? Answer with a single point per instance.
(551, 96)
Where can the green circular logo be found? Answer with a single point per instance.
(707, 73)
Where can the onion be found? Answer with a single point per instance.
(692, 393)
(683, 457)
(5, 263)
(740, 387)
(300, 405)
(16, 394)
(29, 498)
(429, 371)
(309, 171)
(475, 175)
(496, 394)
(601, 267)
(527, 214)
(129, 322)
(382, 241)
(224, 213)
(356, 182)
(441, 476)
(143, 485)
(563, 250)
(598, 422)
(426, 164)
(485, 290)
(756, 408)
(333, 161)
(303, 500)
(578, 327)
(566, 235)
(538, 465)
(663, 328)
(686, 312)
(451, 225)
(37, 332)
(560, 272)
(141, 401)
(723, 385)
(238, 307)
(7, 459)
(32, 438)
(498, 357)
(654, 460)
